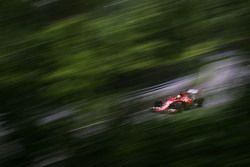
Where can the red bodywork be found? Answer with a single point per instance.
(183, 99)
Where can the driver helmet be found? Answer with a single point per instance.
(178, 96)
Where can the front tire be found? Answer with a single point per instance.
(158, 104)
(179, 106)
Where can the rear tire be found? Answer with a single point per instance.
(199, 102)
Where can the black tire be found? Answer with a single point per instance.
(199, 102)
(178, 106)
(186, 106)
(158, 104)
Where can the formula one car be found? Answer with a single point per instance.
(185, 100)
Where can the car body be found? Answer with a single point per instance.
(183, 101)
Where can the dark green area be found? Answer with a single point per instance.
(81, 56)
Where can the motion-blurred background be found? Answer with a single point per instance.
(77, 78)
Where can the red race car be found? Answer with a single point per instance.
(183, 101)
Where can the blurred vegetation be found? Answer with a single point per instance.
(81, 56)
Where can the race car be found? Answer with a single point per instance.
(185, 100)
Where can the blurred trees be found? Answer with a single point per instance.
(56, 52)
